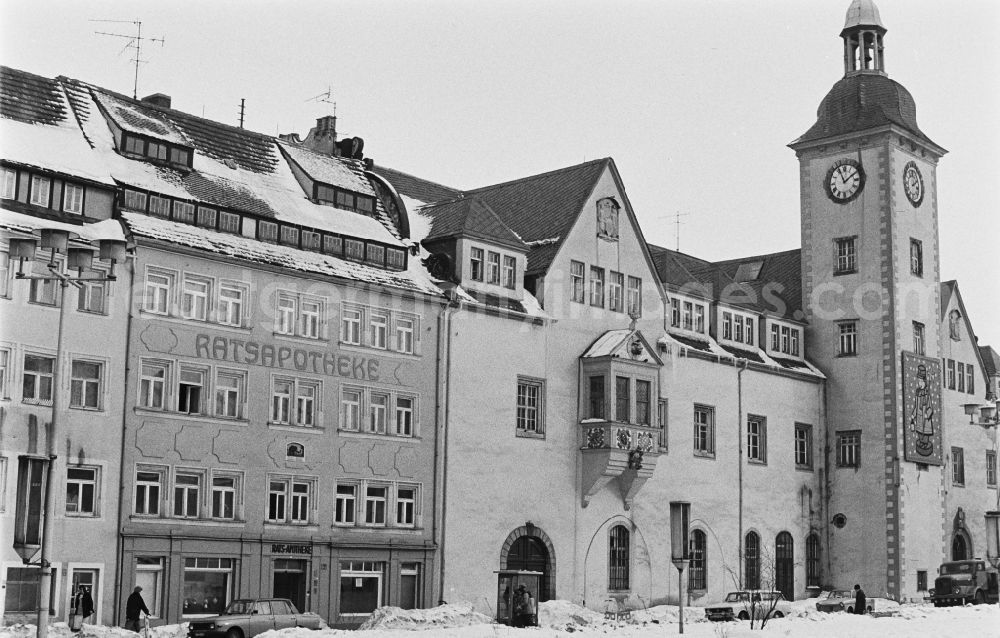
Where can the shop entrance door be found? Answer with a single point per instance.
(290, 581)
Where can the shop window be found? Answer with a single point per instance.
(361, 587)
(21, 590)
(207, 585)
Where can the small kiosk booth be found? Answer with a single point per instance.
(517, 596)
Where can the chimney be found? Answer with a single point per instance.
(158, 99)
(323, 137)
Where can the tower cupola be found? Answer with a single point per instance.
(863, 35)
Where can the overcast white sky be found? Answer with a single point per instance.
(694, 99)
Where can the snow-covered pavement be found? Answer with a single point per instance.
(561, 619)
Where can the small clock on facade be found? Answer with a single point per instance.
(913, 183)
(845, 180)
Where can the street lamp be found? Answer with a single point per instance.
(680, 515)
(56, 240)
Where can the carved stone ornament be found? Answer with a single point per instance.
(607, 218)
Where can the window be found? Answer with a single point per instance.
(152, 385)
(159, 286)
(187, 495)
(642, 400)
(156, 151)
(378, 412)
(951, 374)
(596, 404)
(91, 295)
(194, 298)
(350, 410)
(406, 500)
(751, 557)
(73, 198)
(727, 325)
(299, 315)
(40, 187)
(812, 561)
(232, 298)
(991, 468)
(848, 345)
(699, 319)
(786, 339)
(704, 430)
(803, 446)
(311, 240)
(184, 212)
(43, 291)
(662, 412)
(4, 274)
(300, 502)
(849, 448)
(795, 343)
(918, 338)
(159, 206)
(404, 416)
(207, 585)
(846, 255)
(85, 385)
(530, 407)
(310, 318)
(970, 379)
(697, 573)
(378, 330)
(82, 485)
(147, 492)
(135, 200)
(22, 587)
(287, 305)
(290, 235)
(288, 500)
(404, 334)
(4, 372)
(346, 504)
(36, 386)
(921, 580)
(960, 375)
(281, 401)
(616, 285)
(618, 558)
(224, 489)
(277, 498)
(623, 402)
(267, 231)
(476, 264)
(3, 484)
(509, 272)
(333, 245)
(749, 336)
(596, 287)
(916, 257)
(350, 325)
(409, 585)
(492, 268)
(376, 254)
(134, 145)
(635, 296)
(576, 275)
(958, 466)
(229, 222)
(775, 337)
(687, 316)
(361, 586)
(179, 156)
(756, 439)
(675, 312)
(8, 183)
(229, 394)
(738, 328)
(207, 217)
(375, 501)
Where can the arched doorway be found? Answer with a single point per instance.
(960, 547)
(784, 565)
(529, 548)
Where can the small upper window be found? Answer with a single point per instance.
(73, 198)
(40, 187)
(749, 271)
(8, 182)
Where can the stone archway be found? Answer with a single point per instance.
(961, 548)
(529, 547)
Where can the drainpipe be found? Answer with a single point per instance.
(443, 375)
(119, 540)
(739, 435)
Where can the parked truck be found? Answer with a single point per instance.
(965, 581)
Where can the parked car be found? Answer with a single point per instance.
(740, 604)
(245, 618)
(965, 581)
(841, 600)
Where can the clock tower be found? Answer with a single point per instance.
(870, 283)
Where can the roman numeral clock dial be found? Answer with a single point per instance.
(845, 180)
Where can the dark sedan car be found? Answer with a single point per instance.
(245, 618)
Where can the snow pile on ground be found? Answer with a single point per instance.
(565, 616)
(454, 615)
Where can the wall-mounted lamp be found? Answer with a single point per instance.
(77, 258)
(987, 413)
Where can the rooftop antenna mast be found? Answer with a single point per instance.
(327, 97)
(134, 42)
(677, 224)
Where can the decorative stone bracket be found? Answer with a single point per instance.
(617, 451)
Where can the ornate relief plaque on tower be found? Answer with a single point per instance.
(922, 409)
(607, 218)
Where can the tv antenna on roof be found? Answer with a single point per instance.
(677, 223)
(134, 42)
(327, 97)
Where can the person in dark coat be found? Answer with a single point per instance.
(133, 606)
(86, 607)
(860, 603)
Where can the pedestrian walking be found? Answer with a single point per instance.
(133, 606)
(859, 600)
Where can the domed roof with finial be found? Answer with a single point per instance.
(863, 13)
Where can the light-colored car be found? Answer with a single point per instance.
(841, 600)
(245, 618)
(741, 604)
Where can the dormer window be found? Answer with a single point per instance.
(785, 339)
(687, 315)
(738, 327)
(158, 151)
(326, 194)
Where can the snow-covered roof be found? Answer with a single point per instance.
(414, 279)
(19, 222)
(340, 172)
(617, 343)
(130, 117)
(672, 343)
(52, 147)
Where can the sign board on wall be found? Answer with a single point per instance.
(922, 409)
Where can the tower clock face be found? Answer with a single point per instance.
(845, 180)
(913, 183)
